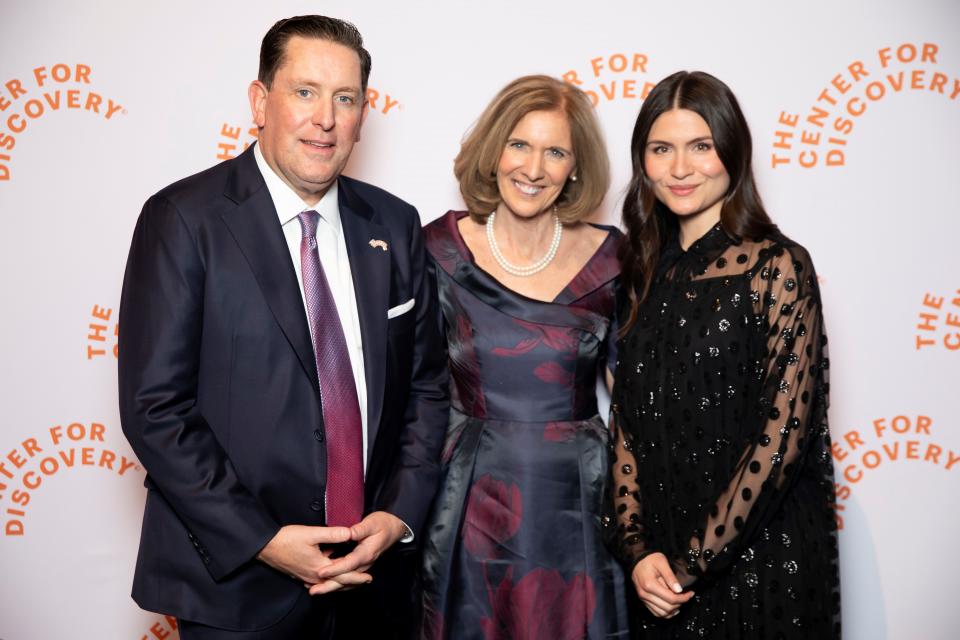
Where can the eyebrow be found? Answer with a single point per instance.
(553, 146)
(317, 85)
(694, 141)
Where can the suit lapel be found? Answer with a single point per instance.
(370, 268)
(256, 229)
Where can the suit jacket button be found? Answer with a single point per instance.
(316, 506)
(318, 435)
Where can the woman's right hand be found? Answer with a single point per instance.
(658, 587)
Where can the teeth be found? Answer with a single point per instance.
(528, 189)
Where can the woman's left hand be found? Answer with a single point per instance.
(658, 587)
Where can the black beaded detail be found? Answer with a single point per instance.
(724, 381)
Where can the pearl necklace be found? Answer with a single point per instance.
(528, 270)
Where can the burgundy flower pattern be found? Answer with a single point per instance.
(541, 606)
(513, 548)
(559, 431)
(554, 373)
(560, 339)
(494, 510)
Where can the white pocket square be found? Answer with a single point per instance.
(400, 309)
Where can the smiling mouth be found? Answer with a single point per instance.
(528, 189)
(318, 145)
(683, 189)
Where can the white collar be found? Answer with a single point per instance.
(288, 204)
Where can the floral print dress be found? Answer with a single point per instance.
(514, 547)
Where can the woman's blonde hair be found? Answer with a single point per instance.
(476, 165)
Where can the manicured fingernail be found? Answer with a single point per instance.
(677, 588)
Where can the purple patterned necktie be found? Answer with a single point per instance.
(338, 392)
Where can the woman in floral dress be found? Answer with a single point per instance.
(514, 547)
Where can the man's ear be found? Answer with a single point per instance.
(257, 93)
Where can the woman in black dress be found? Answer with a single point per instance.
(722, 479)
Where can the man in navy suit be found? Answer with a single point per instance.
(282, 374)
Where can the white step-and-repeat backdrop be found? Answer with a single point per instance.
(854, 111)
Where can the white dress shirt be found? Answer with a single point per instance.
(332, 247)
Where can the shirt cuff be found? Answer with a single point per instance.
(408, 535)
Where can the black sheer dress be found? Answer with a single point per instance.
(722, 450)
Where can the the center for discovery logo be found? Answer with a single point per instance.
(820, 138)
(613, 77)
(22, 103)
(28, 465)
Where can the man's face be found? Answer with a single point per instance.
(311, 116)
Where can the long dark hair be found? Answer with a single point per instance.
(647, 219)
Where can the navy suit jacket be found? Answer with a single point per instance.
(219, 395)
